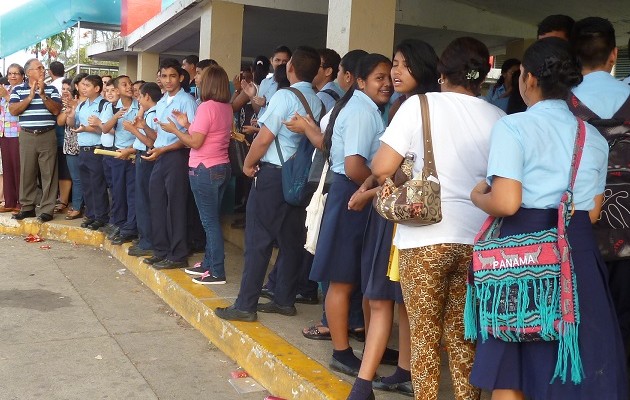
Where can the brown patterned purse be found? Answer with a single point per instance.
(409, 201)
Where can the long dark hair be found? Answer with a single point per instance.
(505, 67)
(364, 68)
(421, 61)
(260, 69)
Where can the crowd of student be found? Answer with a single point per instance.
(161, 168)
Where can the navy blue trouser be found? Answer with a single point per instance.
(270, 219)
(123, 213)
(619, 283)
(143, 204)
(305, 286)
(168, 190)
(93, 184)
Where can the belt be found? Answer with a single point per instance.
(109, 148)
(38, 131)
(270, 165)
(88, 148)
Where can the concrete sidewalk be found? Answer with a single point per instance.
(272, 350)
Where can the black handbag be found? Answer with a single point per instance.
(237, 151)
(315, 173)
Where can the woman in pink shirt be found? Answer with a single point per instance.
(209, 167)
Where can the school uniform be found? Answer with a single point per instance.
(327, 98)
(168, 185)
(267, 88)
(495, 97)
(107, 143)
(269, 218)
(91, 165)
(123, 210)
(532, 147)
(338, 254)
(143, 175)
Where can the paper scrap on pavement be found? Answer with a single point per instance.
(246, 385)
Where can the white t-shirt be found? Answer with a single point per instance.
(460, 130)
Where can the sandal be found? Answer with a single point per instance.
(313, 332)
(73, 214)
(357, 334)
(60, 207)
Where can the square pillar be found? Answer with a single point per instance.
(361, 24)
(221, 35)
(128, 65)
(148, 64)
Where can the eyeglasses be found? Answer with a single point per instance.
(40, 68)
(14, 73)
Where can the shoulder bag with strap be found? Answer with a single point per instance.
(296, 169)
(409, 201)
(523, 286)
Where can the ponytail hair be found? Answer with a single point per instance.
(364, 68)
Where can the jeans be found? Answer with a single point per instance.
(77, 191)
(208, 186)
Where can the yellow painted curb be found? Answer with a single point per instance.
(279, 366)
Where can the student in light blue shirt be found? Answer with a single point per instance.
(123, 212)
(168, 186)
(268, 87)
(269, 217)
(328, 91)
(499, 94)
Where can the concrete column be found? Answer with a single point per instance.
(128, 65)
(361, 24)
(516, 48)
(221, 35)
(148, 64)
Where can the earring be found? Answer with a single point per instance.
(440, 81)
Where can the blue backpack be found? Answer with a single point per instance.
(296, 169)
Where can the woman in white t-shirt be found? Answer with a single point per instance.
(434, 259)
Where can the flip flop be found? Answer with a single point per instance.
(313, 332)
(60, 207)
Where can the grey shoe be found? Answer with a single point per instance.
(232, 314)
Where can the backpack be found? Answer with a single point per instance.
(612, 230)
(101, 105)
(296, 169)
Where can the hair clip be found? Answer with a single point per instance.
(472, 75)
(259, 62)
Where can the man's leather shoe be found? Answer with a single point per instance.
(120, 239)
(169, 264)
(136, 251)
(306, 300)
(87, 222)
(24, 214)
(44, 217)
(112, 233)
(232, 314)
(152, 260)
(266, 293)
(273, 308)
(96, 225)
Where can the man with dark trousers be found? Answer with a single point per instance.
(37, 106)
(168, 186)
(269, 217)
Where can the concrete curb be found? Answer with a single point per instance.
(279, 366)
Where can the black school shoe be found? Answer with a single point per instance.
(44, 217)
(152, 260)
(120, 239)
(266, 293)
(87, 222)
(274, 308)
(24, 214)
(169, 264)
(136, 251)
(306, 300)
(232, 314)
(96, 225)
(405, 388)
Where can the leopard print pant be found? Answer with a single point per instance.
(433, 280)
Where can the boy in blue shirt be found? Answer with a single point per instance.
(123, 212)
(144, 129)
(168, 186)
(90, 164)
(269, 217)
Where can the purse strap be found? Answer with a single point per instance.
(566, 203)
(429, 160)
(322, 178)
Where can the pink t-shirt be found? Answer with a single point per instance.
(214, 120)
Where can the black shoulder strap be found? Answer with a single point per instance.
(81, 105)
(624, 111)
(302, 99)
(332, 94)
(101, 105)
(580, 109)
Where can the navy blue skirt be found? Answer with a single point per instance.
(338, 252)
(377, 244)
(529, 366)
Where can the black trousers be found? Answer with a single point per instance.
(619, 282)
(168, 192)
(93, 185)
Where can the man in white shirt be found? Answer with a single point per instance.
(56, 71)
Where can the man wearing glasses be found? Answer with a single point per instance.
(37, 105)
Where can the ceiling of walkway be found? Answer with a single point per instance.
(265, 28)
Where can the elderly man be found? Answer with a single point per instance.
(37, 105)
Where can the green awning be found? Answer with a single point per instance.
(35, 20)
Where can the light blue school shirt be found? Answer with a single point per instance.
(267, 88)
(183, 102)
(122, 138)
(626, 81)
(357, 131)
(328, 100)
(88, 109)
(282, 107)
(602, 93)
(496, 99)
(148, 118)
(535, 148)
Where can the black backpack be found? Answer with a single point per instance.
(612, 230)
(101, 105)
